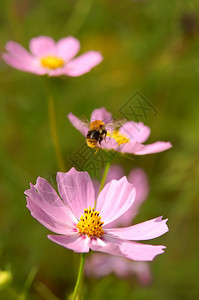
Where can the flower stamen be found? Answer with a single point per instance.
(52, 62)
(90, 223)
(118, 137)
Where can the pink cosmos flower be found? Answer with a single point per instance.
(81, 227)
(102, 264)
(48, 57)
(128, 139)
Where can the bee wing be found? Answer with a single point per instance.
(115, 124)
(85, 122)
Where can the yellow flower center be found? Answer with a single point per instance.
(118, 137)
(90, 223)
(52, 62)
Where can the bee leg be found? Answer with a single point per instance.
(105, 134)
(100, 140)
(96, 150)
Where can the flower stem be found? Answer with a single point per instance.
(53, 127)
(107, 167)
(80, 276)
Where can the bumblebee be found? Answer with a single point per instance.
(96, 134)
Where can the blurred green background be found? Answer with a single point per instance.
(150, 46)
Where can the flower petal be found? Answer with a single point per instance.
(154, 148)
(109, 144)
(132, 147)
(76, 190)
(143, 231)
(115, 172)
(130, 250)
(101, 264)
(44, 196)
(46, 220)
(138, 178)
(42, 46)
(67, 48)
(17, 50)
(83, 63)
(19, 58)
(115, 198)
(101, 114)
(140, 252)
(78, 124)
(135, 131)
(76, 242)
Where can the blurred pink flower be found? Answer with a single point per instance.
(128, 139)
(48, 57)
(99, 265)
(81, 228)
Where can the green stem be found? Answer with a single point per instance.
(53, 127)
(79, 277)
(78, 16)
(107, 167)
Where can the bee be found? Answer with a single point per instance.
(96, 134)
(97, 131)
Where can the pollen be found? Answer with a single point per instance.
(90, 223)
(52, 62)
(118, 137)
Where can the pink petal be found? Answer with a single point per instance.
(132, 147)
(115, 172)
(67, 48)
(135, 131)
(19, 58)
(17, 51)
(78, 124)
(154, 148)
(101, 264)
(98, 265)
(142, 271)
(96, 186)
(140, 252)
(42, 46)
(76, 190)
(131, 250)
(83, 63)
(43, 195)
(115, 198)
(138, 178)
(77, 243)
(30, 67)
(143, 231)
(109, 144)
(107, 244)
(46, 220)
(101, 114)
